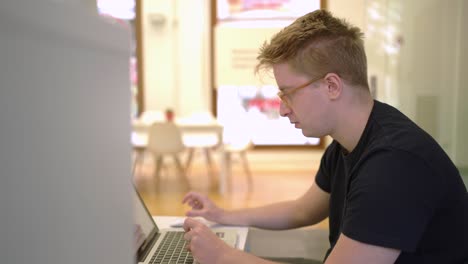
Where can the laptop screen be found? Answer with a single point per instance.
(145, 227)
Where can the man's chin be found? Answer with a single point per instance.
(306, 133)
(310, 134)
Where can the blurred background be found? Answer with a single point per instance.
(192, 65)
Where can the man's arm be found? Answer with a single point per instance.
(206, 247)
(351, 251)
(310, 208)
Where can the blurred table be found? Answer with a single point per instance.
(288, 246)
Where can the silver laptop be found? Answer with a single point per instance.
(165, 245)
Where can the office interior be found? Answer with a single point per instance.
(196, 59)
(72, 161)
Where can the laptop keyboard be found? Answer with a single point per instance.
(172, 249)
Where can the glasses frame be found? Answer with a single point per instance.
(283, 95)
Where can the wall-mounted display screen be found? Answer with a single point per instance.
(246, 100)
(256, 111)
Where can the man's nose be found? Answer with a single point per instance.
(284, 109)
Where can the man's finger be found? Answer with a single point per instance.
(189, 223)
(193, 195)
(193, 203)
(187, 196)
(194, 213)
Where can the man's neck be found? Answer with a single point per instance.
(352, 121)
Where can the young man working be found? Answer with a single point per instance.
(391, 193)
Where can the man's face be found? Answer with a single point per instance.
(303, 100)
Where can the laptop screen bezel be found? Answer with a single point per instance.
(146, 246)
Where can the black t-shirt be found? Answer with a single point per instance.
(397, 189)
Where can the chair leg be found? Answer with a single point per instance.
(210, 166)
(243, 156)
(188, 162)
(181, 170)
(158, 163)
(228, 166)
(179, 165)
(139, 158)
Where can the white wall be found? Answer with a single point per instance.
(64, 136)
(353, 11)
(158, 24)
(415, 48)
(177, 55)
(461, 94)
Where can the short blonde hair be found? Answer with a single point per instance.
(316, 44)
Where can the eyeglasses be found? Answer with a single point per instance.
(285, 96)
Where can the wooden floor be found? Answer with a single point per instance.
(271, 183)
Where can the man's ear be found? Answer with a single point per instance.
(334, 85)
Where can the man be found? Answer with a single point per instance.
(391, 193)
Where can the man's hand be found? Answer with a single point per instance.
(202, 206)
(205, 246)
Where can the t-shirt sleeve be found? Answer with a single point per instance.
(323, 177)
(390, 200)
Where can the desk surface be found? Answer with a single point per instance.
(304, 243)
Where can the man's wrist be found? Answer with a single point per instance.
(230, 255)
(220, 216)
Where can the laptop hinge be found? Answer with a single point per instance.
(144, 253)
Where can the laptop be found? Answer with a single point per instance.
(165, 245)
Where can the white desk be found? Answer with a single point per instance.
(165, 222)
(301, 243)
(140, 139)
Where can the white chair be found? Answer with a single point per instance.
(165, 139)
(201, 139)
(237, 140)
(139, 142)
(139, 137)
